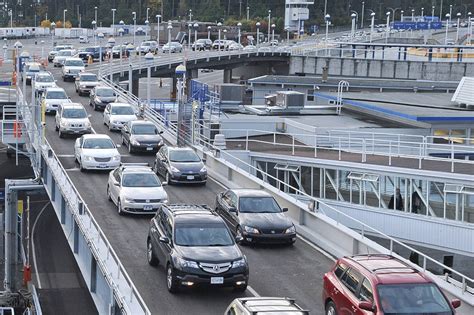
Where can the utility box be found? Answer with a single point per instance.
(232, 93)
(290, 99)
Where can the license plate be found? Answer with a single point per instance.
(147, 207)
(149, 149)
(190, 177)
(102, 166)
(217, 280)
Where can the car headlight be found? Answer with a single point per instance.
(63, 124)
(87, 158)
(174, 169)
(203, 170)
(239, 263)
(183, 263)
(129, 200)
(116, 158)
(252, 230)
(98, 100)
(290, 230)
(134, 142)
(164, 200)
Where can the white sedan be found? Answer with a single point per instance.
(96, 152)
(135, 189)
(116, 115)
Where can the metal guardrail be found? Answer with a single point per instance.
(125, 293)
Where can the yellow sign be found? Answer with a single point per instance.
(20, 207)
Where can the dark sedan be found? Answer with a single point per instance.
(180, 165)
(100, 96)
(143, 136)
(256, 216)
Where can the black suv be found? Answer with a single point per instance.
(196, 248)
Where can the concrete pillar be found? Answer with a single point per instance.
(173, 90)
(227, 75)
(135, 86)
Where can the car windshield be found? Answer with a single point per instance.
(56, 95)
(89, 78)
(44, 78)
(122, 110)
(258, 205)
(105, 92)
(90, 49)
(417, 298)
(33, 69)
(183, 156)
(146, 44)
(140, 180)
(74, 63)
(144, 130)
(65, 53)
(74, 113)
(202, 235)
(98, 144)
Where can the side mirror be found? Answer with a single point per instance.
(160, 132)
(164, 183)
(89, 116)
(456, 303)
(116, 184)
(164, 239)
(118, 145)
(367, 306)
(239, 239)
(285, 209)
(232, 209)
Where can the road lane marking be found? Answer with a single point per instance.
(252, 291)
(33, 244)
(319, 249)
(65, 155)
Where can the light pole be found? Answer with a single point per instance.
(169, 41)
(401, 16)
(190, 15)
(287, 35)
(413, 15)
(121, 31)
(269, 22)
(219, 25)
(422, 12)
(195, 32)
(209, 32)
(158, 17)
(353, 19)
(93, 30)
(239, 25)
(134, 26)
(190, 26)
(457, 28)
(448, 16)
(64, 24)
(258, 32)
(248, 13)
(10, 12)
(469, 27)
(95, 13)
(181, 79)
(149, 63)
(327, 19)
(225, 34)
(388, 27)
(450, 12)
(101, 36)
(113, 21)
(372, 20)
(42, 49)
(53, 30)
(362, 15)
(432, 11)
(441, 11)
(147, 16)
(273, 34)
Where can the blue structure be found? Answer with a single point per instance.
(425, 25)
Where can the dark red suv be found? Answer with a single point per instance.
(382, 284)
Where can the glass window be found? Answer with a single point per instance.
(144, 130)
(44, 78)
(202, 235)
(74, 63)
(258, 205)
(365, 293)
(184, 156)
(140, 180)
(351, 279)
(339, 271)
(105, 92)
(458, 136)
(56, 95)
(122, 110)
(74, 113)
(98, 144)
(441, 136)
(89, 77)
(418, 298)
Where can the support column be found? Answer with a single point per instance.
(227, 75)
(173, 90)
(130, 78)
(135, 86)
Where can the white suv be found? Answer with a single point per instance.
(52, 98)
(116, 115)
(72, 119)
(72, 67)
(42, 81)
(148, 46)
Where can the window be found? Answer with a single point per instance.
(339, 271)
(310, 96)
(351, 280)
(365, 293)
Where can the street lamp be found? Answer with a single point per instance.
(248, 11)
(190, 15)
(362, 15)
(169, 41)
(258, 32)
(469, 27)
(353, 18)
(269, 22)
(273, 34)
(219, 25)
(239, 25)
(327, 19)
(209, 32)
(149, 63)
(53, 30)
(195, 32)
(64, 23)
(450, 12)
(225, 34)
(401, 16)
(121, 31)
(101, 36)
(422, 12)
(457, 28)
(448, 17)
(287, 35)
(181, 81)
(134, 26)
(113, 21)
(93, 29)
(95, 15)
(190, 26)
(372, 20)
(413, 15)
(147, 17)
(158, 18)
(146, 29)
(388, 27)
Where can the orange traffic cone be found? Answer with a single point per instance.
(14, 78)
(90, 60)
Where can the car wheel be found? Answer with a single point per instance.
(331, 308)
(109, 197)
(155, 167)
(119, 207)
(151, 257)
(123, 139)
(60, 133)
(95, 107)
(170, 280)
(167, 178)
(56, 127)
(130, 149)
(81, 168)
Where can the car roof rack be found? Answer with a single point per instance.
(290, 300)
(127, 166)
(183, 208)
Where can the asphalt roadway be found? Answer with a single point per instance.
(293, 271)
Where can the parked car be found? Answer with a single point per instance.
(147, 46)
(61, 56)
(116, 51)
(235, 46)
(31, 69)
(100, 96)
(175, 47)
(180, 165)
(72, 67)
(96, 152)
(83, 39)
(264, 305)
(250, 48)
(202, 44)
(382, 284)
(219, 44)
(52, 98)
(85, 82)
(42, 81)
(136, 189)
(56, 50)
(116, 115)
(141, 135)
(84, 55)
(255, 216)
(72, 119)
(196, 249)
(96, 52)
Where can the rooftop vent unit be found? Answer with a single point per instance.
(287, 102)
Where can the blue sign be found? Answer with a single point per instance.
(2, 194)
(5, 83)
(417, 25)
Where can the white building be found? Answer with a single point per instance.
(296, 12)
